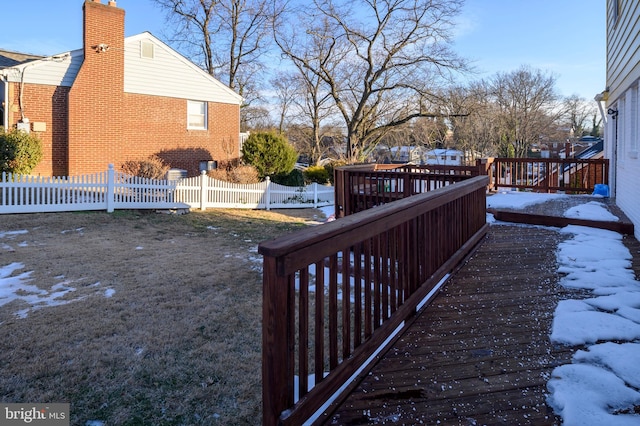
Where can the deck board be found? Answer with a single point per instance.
(480, 353)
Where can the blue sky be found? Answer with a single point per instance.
(563, 37)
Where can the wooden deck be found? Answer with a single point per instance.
(480, 353)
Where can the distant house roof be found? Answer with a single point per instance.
(11, 59)
(405, 149)
(444, 151)
(591, 151)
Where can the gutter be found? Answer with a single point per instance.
(600, 99)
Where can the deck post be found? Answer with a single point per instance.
(277, 344)
(547, 177)
(340, 193)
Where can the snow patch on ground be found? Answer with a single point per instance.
(593, 210)
(16, 285)
(518, 199)
(600, 385)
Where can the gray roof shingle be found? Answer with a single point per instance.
(11, 59)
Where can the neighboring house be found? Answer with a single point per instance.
(622, 127)
(444, 157)
(406, 154)
(118, 99)
(593, 152)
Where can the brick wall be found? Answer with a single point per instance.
(47, 104)
(158, 125)
(97, 96)
(94, 123)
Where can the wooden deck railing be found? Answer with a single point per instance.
(333, 294)
(362, 187)
(569, 175)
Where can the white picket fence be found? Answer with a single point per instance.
(113, 190)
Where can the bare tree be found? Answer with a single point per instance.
(578, 112)
(477, 134)
(314, 105)
(379, 60)
(527, 102)
(190, 22)
(316, 146)
(255, 117)
(287, 90)
(227, 37)
(596, 123)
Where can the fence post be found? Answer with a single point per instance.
(268, 194)
(111, 186)
(203, 190)
(315, 194)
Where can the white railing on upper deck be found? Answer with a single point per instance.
(113, 190)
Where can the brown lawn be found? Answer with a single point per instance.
(162, 325)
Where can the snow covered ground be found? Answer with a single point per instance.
(600, 386)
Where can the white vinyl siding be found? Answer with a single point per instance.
(196, 115)
(166, 73)
(623, 78)
(623, 47)
(169, 74)
(58, 70)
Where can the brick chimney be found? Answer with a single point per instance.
(97, 95)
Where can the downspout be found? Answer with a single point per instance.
(58, 58)
(601, 99)
(5, 109)
(20, 102)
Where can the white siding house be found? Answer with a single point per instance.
(444, 157)
(146, 56)
(622, 128)
(150, 68)
(406, 154)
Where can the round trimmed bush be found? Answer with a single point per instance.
(20, 152)
(270, 153)
(317, 174)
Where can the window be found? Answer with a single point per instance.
(196, 115)
(146, 49)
